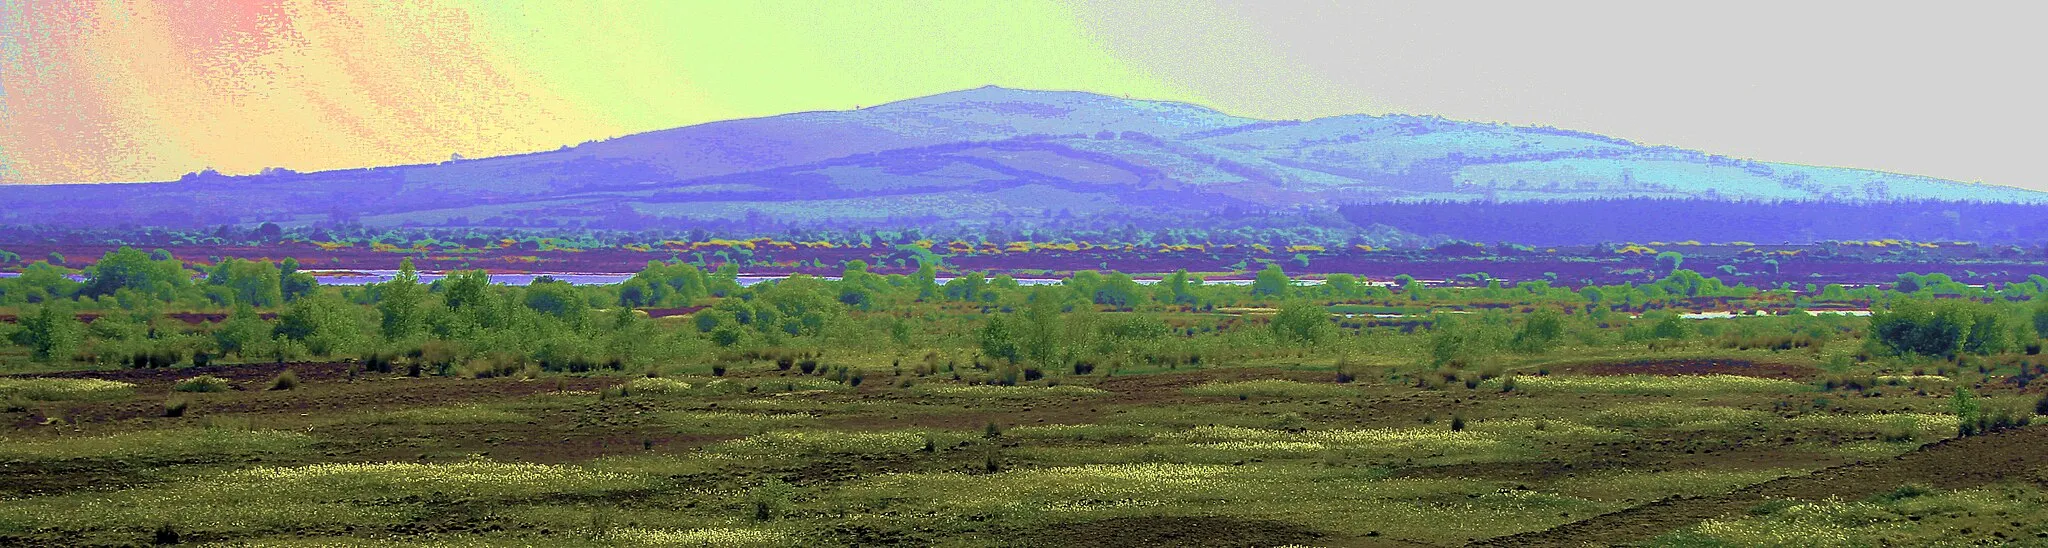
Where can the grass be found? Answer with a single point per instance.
(317, 497)
(1679, 417)
(816, 443)
(181, 443)
(2013, 512)
(1270, 388)
(759, 458)
(479, 479)
(453, 415)
(654, 385)
(1634, 486)
(46, 389)
(994, 392)
(713, 536)
(1349, 501)
(1654, 385)
(726, 422)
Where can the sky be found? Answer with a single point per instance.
(99, 90)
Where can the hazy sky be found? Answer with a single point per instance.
(93, 91)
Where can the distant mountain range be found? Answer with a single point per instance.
(985, 157)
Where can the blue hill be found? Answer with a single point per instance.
(984, 157)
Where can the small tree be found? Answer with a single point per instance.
(1541, 332)
(1271, 282)
(1968, 413)
(1670, 261)
(2041, 315)
(1301, 322)
(1453, 342)
(50, 332)
(399, 300)
(926, 279)
(999, 339)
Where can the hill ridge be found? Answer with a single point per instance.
(980, 157)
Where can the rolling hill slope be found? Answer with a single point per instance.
(986, 156)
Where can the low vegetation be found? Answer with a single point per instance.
(145, 404)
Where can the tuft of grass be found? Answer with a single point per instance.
(175, 407)
(203, 383)
(285, 381)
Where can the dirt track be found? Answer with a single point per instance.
(1950, 464)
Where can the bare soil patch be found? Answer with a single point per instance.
(1692, 366)
(1185, 531)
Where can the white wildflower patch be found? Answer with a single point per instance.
(707, 537)
(166, 444)
(64, 389)
(1089, 484)
(794, 387)
(1657, 385)
(1827, 523)
(482, 478)
(1080, 506)
(654, 385)
(806, 443)
(1930, 423)
(1266, 446)
(1093, 432)
(1679, 417)
(1913, 378)
(1413, 440)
